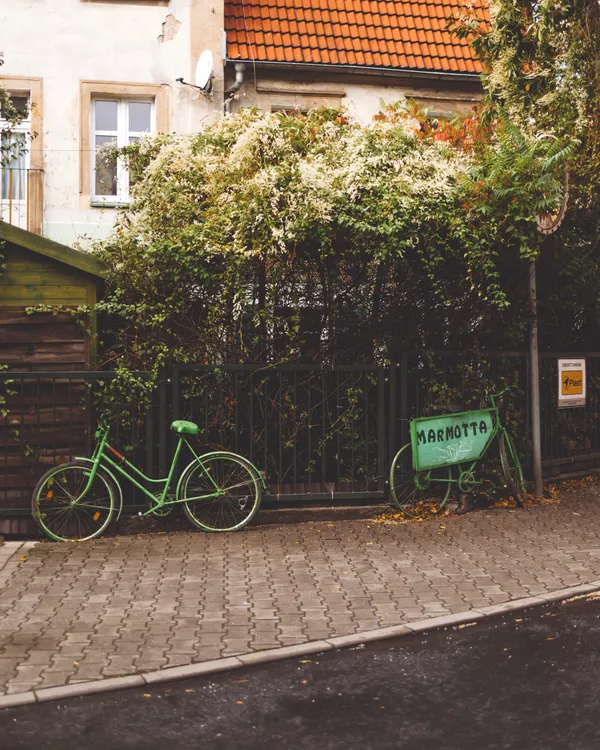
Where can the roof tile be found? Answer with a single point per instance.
(383, 33)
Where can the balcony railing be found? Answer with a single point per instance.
(21, 197)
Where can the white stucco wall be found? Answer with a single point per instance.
(67, 41)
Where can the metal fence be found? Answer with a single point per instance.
(48, 418)
(319, 433)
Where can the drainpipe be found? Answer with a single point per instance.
(236, 86)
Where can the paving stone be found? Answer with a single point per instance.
(163, 601)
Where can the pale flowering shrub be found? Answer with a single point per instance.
(266, 230)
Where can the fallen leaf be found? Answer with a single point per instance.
(549, 638)
(305, 661)
(519, 620)
(190, 690)
(238, 682)
(75, 662)
(240, 703)
(305, 682)
(23, 559)
(506, 649)
(147, 695)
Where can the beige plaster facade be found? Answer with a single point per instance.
(75, 49)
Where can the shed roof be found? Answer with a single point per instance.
(408, 35)
(50, 249)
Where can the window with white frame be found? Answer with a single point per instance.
(116, 123)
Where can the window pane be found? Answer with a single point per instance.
(20, 105)
(13, 182)
(139, 117)
(106, 166)
(106, 115)
(13, 150)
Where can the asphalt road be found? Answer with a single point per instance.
(525, 681)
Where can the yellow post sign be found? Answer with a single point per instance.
(571, 383)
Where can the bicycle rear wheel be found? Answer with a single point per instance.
(511, 468)
(410, 489)
(59, 512)
(220, 492)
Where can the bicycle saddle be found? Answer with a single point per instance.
(181, 427)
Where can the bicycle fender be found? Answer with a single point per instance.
(244, 460)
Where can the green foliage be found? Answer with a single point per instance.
(273, 237)
(542, 72)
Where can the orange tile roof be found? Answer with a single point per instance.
(410, 34)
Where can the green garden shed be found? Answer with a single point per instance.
(40, 271)
(45, 419)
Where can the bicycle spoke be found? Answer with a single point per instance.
(236, 500)
(68, 507)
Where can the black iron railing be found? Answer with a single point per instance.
(319, 433)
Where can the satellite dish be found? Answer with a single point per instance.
(204, 69)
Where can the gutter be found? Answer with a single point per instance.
(367, 70)
(240, 67)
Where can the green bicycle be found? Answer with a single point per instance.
(444, 452)
(76, 501)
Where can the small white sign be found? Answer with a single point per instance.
(571, 383)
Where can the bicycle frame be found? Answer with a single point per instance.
(99, 458)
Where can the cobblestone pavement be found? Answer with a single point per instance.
(128, 604)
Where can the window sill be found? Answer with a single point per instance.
(108, 204)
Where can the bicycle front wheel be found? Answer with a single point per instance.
(220, 492)
(410, 489)
(511, 468)
(64, 512)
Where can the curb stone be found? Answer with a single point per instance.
(515, 605)
(88, 688)
(288, 652)
(192, 670)
(17, 699)
(444, 621)
(586, 588)
(380, 634)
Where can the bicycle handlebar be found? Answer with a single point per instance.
(496, 396)
(102, 428)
